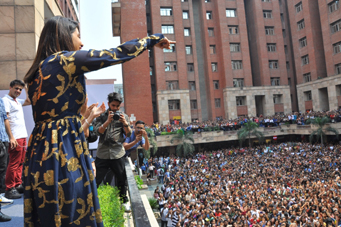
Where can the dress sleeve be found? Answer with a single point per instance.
(86, 61)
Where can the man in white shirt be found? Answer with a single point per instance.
(15, 114)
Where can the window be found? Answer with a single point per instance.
(306, 77)
(167, 29)
(305, 60)
(269, 30)
(237, 64)
(235, 47)
(216, 84)
(285, 49)
(233, 29)
(194, 105)
(214, 66)
(303, 42)
(150, 70)
(231, 13)
(338, 69)
(307, 96)
(188, 50)
(277, 98)
(185, 15)
(282, 17)
(169, 50)
(210, 31)
(240, 100)
(190, 67)
(288, 65)
(191, 85)
(299, 7)
(337, 47)
(333, 6)
(238, 82)
(300, 24)
(166, 11)
(184, 0)
(273, 64)
(209, 15)
(275, 81)
(172, 85)
(267, 13)
(284, 33)
(187, 32)
(289, 82)
(170, 66)
(207, 1)
(271, 47)
(174, 104)
(212, 49)
(266, 0)
(336, 26)
(217, 103)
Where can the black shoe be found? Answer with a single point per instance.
(4, 217)
(20, 189)
(12, 194)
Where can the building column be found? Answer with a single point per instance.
(332, 96)
(251, 105)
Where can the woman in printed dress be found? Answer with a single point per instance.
(58, 178)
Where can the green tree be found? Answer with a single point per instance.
(249, 129)
(185, 146)
(152, 143)
(322, 128)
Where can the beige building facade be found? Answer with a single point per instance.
(253, 101)
(320, 95)
(21, 22)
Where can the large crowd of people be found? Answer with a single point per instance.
(280, 185)
(235, 124)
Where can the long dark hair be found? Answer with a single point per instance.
(56, 36)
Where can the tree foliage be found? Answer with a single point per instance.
(185, 146)
(249, 129)
(322, 128)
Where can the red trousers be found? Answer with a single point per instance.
(15, 164)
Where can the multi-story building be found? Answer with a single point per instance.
(234, 57)
(21, 23)
(317, 44)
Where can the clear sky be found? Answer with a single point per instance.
(96, 33)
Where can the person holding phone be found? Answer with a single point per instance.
(138, 137)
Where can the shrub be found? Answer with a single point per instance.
(111, 206)
(139, 181)
(153, 203)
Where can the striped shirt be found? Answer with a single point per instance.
(3, 117)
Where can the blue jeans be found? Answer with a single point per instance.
(161, 179)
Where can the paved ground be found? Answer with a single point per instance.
(16, 211)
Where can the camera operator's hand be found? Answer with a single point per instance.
(144, 133)
(110, 117)
(138, 137)
(123, 120)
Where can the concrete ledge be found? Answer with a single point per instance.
(152, 220)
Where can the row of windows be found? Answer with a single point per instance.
(307, 76)
(237, 82)
(236, 64)
(332, 6)
(240, 101)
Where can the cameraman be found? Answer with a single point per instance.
(112, 126)
(138, 137)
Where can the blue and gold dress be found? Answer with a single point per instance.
(60, 189)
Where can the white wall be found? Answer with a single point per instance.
(96, 93)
